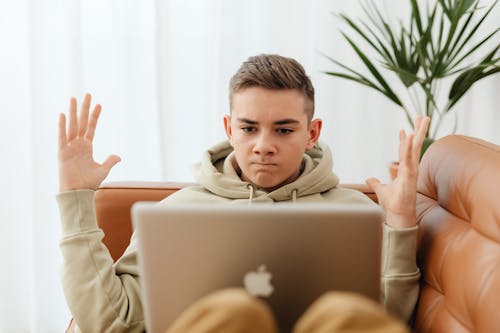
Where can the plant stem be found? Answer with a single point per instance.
(414, 100)
(438, 124)
(428, 111)
(408, 116)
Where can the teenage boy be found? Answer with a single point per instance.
(272, 154)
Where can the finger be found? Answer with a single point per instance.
(111, 162)
(374, 184)
(418, 120)
(73, 122)
(377, 187)
(94, 117)
(408, 152)
(420, 134)
(84, 115)
(423, 127)
(402, 144)
(62, 130)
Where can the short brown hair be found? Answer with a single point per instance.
(273, 71)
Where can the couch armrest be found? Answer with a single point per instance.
(362, 188)
(114, 200)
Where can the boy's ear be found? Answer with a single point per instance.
(314, 132)
(227, 127)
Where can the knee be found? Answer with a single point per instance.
(237, 303)
(347, 312)
(346, 302)
(228, 310)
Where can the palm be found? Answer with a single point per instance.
(77, 168)
(76, 162)
(398, 199)
(399, 196)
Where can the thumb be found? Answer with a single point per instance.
(111, 162)
(374, 184)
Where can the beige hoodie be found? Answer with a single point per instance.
(105, 297)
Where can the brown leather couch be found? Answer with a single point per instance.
(458, 208)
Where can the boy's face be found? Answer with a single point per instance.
(270, 131)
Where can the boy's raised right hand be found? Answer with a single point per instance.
(77, 168)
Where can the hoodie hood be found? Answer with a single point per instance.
(215, 172)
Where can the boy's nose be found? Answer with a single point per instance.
(264, 145)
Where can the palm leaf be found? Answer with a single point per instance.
(440, 64)
(405, 75)
(348, 69)
(446, 9)
(388, 56)
(362, 34)
(424, 42)
(375, 17)
(440, 37)
(465, 80)
(471, 33)
(466, 5)
(460, 34)
(430, 100)
(373, 71)
(433, 46)
(416, 15)
(360, 80)
(473, 49)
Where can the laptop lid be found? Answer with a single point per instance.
(287, 254)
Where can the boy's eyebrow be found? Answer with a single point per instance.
(278, 122)
(248, 121)
(286, 121)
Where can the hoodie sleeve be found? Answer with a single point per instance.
(102, 296)
(400, 274)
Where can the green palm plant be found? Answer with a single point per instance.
(434, 45)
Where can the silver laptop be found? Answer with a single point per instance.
(287, 254)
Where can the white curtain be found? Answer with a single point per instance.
(161, 70)
(202, 43)
(51, 50)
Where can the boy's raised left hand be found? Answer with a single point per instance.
(398, 199)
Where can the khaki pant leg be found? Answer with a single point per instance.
(229, 310)
(344, 312)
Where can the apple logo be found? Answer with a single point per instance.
(258, 283)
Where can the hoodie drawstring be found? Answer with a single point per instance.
(250, 187)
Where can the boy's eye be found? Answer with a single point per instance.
(248, 129)
(284, 130)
